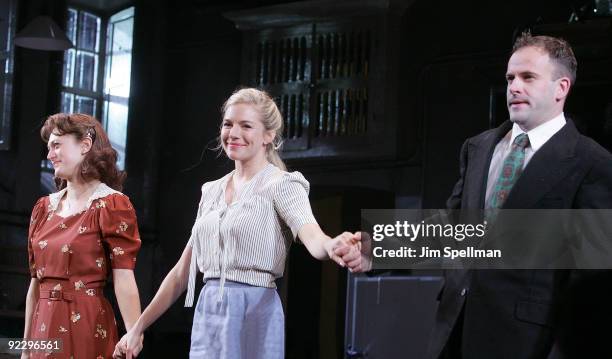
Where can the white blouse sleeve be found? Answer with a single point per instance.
(291, 201)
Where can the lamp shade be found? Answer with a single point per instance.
(43, 33)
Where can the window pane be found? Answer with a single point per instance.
(85, 105)
(71, 25)
(119, 58)
(122, 35)
(8, 17)
(7, 66)
(117, 79)
(89, 32)
(68, 78)
(86, 70)
(67, 100)
(7, 84)
(116, 120)
(5, 8)
(123, 14)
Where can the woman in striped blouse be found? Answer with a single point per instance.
(245, 224)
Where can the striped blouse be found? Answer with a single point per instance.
(248, 240)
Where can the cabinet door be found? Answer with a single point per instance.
(280, 63)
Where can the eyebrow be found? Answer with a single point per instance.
(240, 122)
(522, 73)
(54, 142)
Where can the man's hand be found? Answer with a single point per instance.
(343, 240)
(357, 256)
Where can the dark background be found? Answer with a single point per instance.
(445, 64)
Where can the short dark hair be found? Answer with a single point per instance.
(559, 50)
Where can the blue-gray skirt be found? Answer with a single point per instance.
(247, 323)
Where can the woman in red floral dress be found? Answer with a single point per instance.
(76, 237)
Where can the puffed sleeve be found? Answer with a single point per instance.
(291, 201)
(38, 213)
(119, 230)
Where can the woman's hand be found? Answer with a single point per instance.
(358, 256)
(323, 247)
(130, 344)
(346, 240)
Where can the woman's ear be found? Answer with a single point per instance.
(86, 145)
(269, 137)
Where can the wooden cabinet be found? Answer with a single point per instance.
(326, 64)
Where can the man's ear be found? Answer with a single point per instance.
(563, 88)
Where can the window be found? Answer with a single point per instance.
(81, 92)
(96, 76)
(8, 9)
(117, 79)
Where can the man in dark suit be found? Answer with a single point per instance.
(536, 160)
(518, 313)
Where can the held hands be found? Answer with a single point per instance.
(357, 256)
(346, 239)
(130, 345)
(349, 250)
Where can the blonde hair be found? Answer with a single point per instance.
(271, 118)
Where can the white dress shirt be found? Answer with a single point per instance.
(537, 138)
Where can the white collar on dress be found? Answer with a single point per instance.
(101, 191)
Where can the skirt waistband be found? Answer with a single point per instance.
(216, 282)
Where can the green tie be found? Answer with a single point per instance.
(510, 172)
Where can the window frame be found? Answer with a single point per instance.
(108, 98)
(98, 94)
(8, 54)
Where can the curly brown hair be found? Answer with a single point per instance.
(559, 51)
(100, 163)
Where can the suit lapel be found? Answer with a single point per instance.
(480, 154)
(548, 166)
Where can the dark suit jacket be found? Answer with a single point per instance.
(525, 313)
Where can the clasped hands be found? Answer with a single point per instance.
(130, 345)
(351, 250)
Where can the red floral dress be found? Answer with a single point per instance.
(72, 257)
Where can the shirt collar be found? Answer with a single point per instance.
(101, 191)
(541, 134)
(226, 178)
